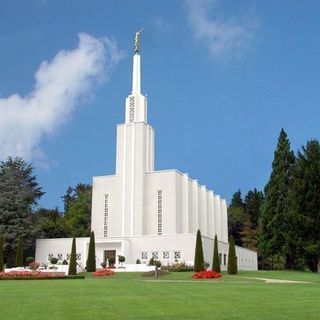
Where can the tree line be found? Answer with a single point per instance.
(283, 223)
(20, 216)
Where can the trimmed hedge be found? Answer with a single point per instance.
(216, 260)
(91, 261)
(73, 259)
(198, 256)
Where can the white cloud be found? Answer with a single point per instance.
(225, 38)
(60, 85)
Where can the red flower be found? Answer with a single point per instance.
(207, 275)
(103, 272)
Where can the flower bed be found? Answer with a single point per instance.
(206, 274)
(103, 272)
(35, 275)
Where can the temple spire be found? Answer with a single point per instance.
(136, 75)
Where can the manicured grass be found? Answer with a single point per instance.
(131, 296)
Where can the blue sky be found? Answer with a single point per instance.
(222, 78)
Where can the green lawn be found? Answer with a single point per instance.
(131, 296)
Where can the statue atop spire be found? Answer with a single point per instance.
(137, 41)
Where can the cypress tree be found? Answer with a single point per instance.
(1, 254)
(232, 259)
(19, 253)
(276, 212)
(198, 257)
(216, 260)
(91, 262)
(73, 259)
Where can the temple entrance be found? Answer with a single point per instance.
(108, 254)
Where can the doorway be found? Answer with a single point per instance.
(109, 254)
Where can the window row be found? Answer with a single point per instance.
(106, 215)
(59, 256)
(165, 255)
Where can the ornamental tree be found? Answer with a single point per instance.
(1, 254)
(73, 259)
(19, 253)
(198, 256)
(216, 261)
(232, 260)
(91, 262)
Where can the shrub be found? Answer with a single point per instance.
(216, 261)
(206, 265)
(138, 261)
(198, 256)
(179, 267)
(64, 262)
(29, 260)
(111, 261)
(1, 254)
(103, 264)
(54, 260)
(73, 259)
(151, 262)
(232, 259)
(121, 259)
(157, 263)
(91, 262)
(19, 253)
(159, 272)
(34, 265)
(206, 275)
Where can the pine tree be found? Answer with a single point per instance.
(198, 257)
(306, 200)
(236, 217)
(1, 255)
(19, 253)
(232, 258)
(73, 259)
(19, 192)
(276, 212)
(91, 262)
(216, 260)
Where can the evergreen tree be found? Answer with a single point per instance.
(216, 260)
(73, 259)
(236, 217)
(250, 229)
(19, 193)
(276, 212)
(77, 203)
(232, 258)
(91, 262)
(306, 200)
(19, 253)
(198, 257)
(1, 255)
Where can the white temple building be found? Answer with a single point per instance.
(140, 212)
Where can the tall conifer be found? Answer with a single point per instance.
(198, 256)
(19, 252)
(73, 259)
(232, 258)
(1, 254)
(276, 209)
(91, 262)
(216, 261)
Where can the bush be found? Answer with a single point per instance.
(19, 253)
(179, 267)
(216, 261)
(138, 261)
(64, 262)
(157, 263)
(54, 260)
(152, 273)
(151, 262)
(103, 264)
(29, 260)
(111, 261)
(206, 265)
(34, 265)
(198, 256)
(91, 262)
(206, 275)
(73, 259)
(103, 273)
(121, 259)
(232, 259)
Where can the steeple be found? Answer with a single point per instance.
(136, 103)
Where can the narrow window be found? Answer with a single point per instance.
(220, 258)
(159, 212)
(106, 215)
(224, 259)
